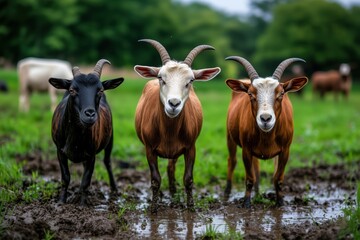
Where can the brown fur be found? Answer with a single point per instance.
(243, 131)
(168, 137)
(331, 81)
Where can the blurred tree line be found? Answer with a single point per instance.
(82, 31)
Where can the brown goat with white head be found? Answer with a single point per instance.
(168, 116)
(333, 81)
(260, 121)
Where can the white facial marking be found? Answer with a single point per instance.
(173, 91)
(265, 116)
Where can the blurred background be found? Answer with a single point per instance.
(325, 33)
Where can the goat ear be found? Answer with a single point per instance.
(206, 74)
(113, 83)
(147, 72)
(60, 83)
(238, 85)
(295, 84)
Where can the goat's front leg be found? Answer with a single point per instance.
(171, 175)
(250, 178)
(279, 175)
(155, 178)
(107, 163)
(65, 175)
(256, 173)
(188, 175)
(86, 179)
(231, 164)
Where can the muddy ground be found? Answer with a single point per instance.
(314, 203)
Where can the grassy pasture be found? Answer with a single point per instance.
(325, 132)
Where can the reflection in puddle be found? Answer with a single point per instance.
(172, 223)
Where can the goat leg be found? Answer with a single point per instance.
(107, 163)
(256, 174)
(188, 175)
(155, 179)
(250, 178)
(86, 179)
(171, 175)
(279, 176)
(231, 165)
(65, 175)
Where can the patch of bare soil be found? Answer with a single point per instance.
(315, 197)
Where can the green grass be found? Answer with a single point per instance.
(212, 232)
(325, 132)
(352, 215)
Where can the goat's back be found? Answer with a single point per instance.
(329, 80)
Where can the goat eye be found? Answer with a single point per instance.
(161, 81)
(101, 92)
(72, 92)
(188, 84)
(281, 95)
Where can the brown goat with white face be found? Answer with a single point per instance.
(168, 117)
(333, 81)
(260, 121)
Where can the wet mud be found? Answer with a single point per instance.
(314, 203)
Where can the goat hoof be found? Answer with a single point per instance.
(227, 194)
(191, 208)
(247, 203)
(190, 203)
(62, 198)
(84, 201)
(280, 202)
(228, 189)
(153, 208)
(114, 189)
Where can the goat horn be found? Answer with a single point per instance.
(249, 68)
(283, 65)
(165, 57)
(76, 71)
(193, 53)
(98, 67)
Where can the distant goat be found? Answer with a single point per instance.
(34, 74)
(168, 117)
(333, 81)
(82, 125)
(260, 121)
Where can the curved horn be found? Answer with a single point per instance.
(99, 65)
(193, 53)
(76, 71)
(283, 65)
(165, 57)
(248, 67)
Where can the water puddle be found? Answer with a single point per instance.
(171, 223)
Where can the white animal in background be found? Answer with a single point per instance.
(34, 75)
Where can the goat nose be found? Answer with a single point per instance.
(174, 102)
(90, 112)
(265, 117)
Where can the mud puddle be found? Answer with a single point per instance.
(314, 203)
(261, 220)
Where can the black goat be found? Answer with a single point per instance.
(82, 126)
